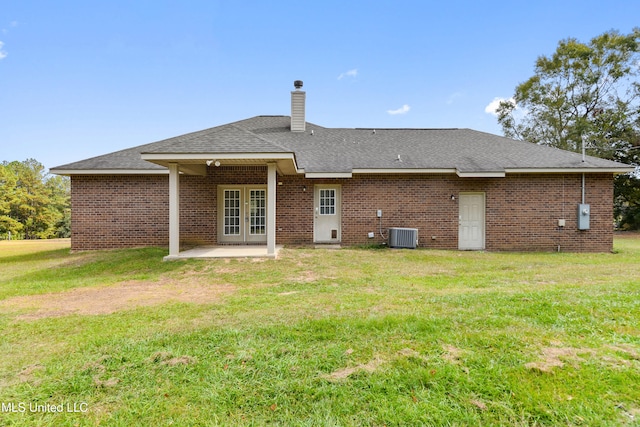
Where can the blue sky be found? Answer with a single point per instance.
(84, 78)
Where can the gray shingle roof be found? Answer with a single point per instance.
(229, 138)
(335, 150)
(128, 159)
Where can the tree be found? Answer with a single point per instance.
(32, 204)
(58, 189)
(584, 95)
(8, 198)
(627, 202)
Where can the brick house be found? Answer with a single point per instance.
(281, 179)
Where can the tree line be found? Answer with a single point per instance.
(33, 204)
(586, 96)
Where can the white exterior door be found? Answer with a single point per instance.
(471, 232)
(327, 214)
(242, 214)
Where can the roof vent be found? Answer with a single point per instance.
(298, 123)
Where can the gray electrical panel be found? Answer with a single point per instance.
(584, 213)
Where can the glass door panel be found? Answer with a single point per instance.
(232, 214)
(257, 212)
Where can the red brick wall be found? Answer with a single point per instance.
(522, 211)
(294, 210)
(119, 211)
(198, 206)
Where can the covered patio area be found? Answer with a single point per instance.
(240, 224)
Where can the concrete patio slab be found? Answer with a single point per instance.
(226, 252)
(327, 246)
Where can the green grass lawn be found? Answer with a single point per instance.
(345, 337)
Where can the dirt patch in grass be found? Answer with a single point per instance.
(164, 358)
(306, 277)
(555, 357)
(625, 356)
(452, 354)
(108, 300)
(478, 404)
(372, 365)
(26, 374)
(182, 360)
(627, 349)
(111, 382)
(369, 367)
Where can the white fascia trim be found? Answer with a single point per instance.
(373, 171)
(496, 174)
(109, 172)
(216, 156)
(328, 175)
(571, 170)
(403, 171)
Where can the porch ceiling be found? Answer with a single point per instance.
(197, 165)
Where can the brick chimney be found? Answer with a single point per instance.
(297, 108)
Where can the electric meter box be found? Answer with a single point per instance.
(584, 214)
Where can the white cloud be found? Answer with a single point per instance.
(3, 54)
(402, 110)
(12, 24)
(453, 97)
(492, 108)
(350, 73)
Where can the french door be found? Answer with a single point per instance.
(242, 214)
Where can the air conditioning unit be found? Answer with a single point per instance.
(403, 238)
